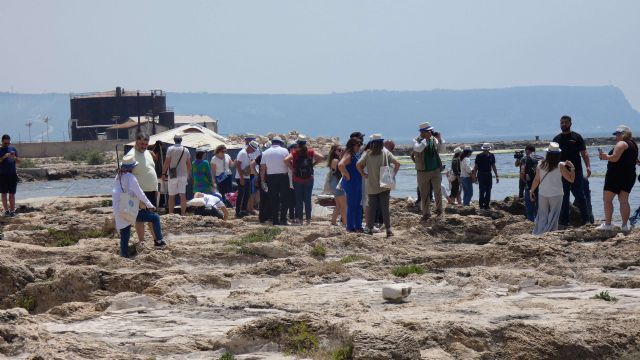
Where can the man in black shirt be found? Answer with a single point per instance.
(484, 163)
(573, 147)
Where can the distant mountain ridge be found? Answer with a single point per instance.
(533, 110)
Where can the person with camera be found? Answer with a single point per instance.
(426, 151)
(548, 184)
(528, 166)
(484, 163)
(519, 155)
(573, 149)
(8, 175)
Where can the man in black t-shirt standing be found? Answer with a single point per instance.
(573, 147)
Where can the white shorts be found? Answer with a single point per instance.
(177, 186)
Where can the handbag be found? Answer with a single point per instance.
(326, 189)
(129, 205)
(387, 175)
(173, 171)
(223, 176)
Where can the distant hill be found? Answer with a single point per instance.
(483, 113)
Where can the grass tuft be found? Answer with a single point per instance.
(26, 302)
(342, 353)
(265, 234)
(71, 237)
(299, 340)
(406, 270)
(90, 157)
(604, 295)
(227, 356)
(318, 251)
(27, 164)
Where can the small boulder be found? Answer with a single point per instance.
(396, 292)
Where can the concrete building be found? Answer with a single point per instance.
(202, 120)
(94, 115)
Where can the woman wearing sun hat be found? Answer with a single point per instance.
(125, 182)
(620, 177)
(548, 183)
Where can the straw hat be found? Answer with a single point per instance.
(254, 144)
(425, 126)
(128, 162)
(467, 148)
(376, 137)
(486, 146)
(277, 140)
(301, 140)
(621, 129)
(553, 148)
(458, 150)
(249, 137)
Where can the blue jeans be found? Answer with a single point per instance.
(303, 192)
(144, 215)
(485, 183)
(577, 189)
(467, 190)
(530, 206)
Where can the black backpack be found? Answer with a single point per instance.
(530, 165)
(304, 166)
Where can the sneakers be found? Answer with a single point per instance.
(7, 213)
(389, 233)
(604, 226)
(625, 227)
(160, 244)
(369, 231)
(12, 213)
(375, 229)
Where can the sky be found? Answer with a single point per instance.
(302, 46)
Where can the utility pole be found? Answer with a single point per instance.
(29, 124)
(138, 109)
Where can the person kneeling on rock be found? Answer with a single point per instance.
(126, 197)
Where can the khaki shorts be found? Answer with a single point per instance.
(177, 186)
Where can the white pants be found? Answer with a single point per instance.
(549, 208)
(177, 185)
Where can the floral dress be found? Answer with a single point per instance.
(201, 175)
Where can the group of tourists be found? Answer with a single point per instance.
(275, 180)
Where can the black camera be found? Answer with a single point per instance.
(519, 154)
(435, 133)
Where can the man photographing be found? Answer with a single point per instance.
(426, 154)
(8, 175)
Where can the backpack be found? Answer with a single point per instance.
(530, 165)
(304, 166)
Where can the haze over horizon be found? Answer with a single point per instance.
(312, 47)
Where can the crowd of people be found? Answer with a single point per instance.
(278, 179)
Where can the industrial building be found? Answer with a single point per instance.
(109, 115)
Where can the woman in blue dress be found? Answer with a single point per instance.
(352, 184)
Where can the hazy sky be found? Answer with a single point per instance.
(298, 46)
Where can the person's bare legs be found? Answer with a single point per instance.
(172, 203)
(607, 199)
(336, 212)
(341, 201)
(183, 204)
(140, 231)
(625, 208)
(12, 202)
(4, 202)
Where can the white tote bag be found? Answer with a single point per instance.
(129, 206)
(387, 175)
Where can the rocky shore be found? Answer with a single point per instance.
(482, 288)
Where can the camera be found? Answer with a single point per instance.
(519, 154)
(435, 133)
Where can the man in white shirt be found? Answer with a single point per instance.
(243, 178)
(177, 167)
(146, 175)
(275, 174)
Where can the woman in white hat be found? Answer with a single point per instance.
(126, 183)
(620, 177)
(548, 185)
(454, 177)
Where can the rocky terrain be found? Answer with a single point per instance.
(482, 288)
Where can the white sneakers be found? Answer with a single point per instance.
(605, 226)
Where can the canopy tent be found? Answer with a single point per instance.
(193, 136)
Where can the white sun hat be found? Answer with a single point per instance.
(553, 148)
(486, 146)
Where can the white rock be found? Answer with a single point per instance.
(396, 292)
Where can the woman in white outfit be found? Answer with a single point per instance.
(548, 186)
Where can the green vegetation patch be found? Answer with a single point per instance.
(406, 270)
(71, 237)
(604, 295)
(265, 234)
(318, 251)
(26, 302)
(296, 338)
(90, 157)
(342, 353)
(27, 164)
(227, 356)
